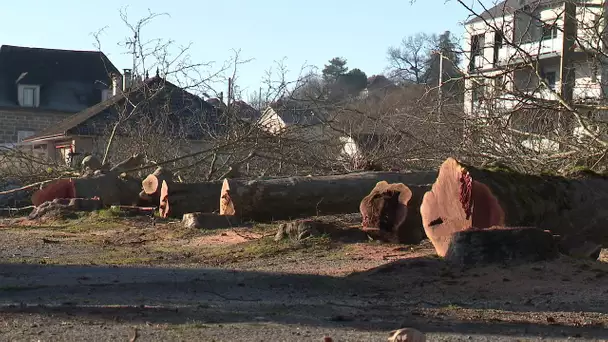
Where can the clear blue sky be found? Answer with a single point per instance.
(305, 32)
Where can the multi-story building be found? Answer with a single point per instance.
(521, 51)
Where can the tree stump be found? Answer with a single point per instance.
(393, 211)
(209, 221)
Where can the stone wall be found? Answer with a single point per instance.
(13, 120)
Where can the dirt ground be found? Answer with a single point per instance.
(100, 277)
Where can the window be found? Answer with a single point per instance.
(498, 35)
(477, 45)
(22, 135)
(29, 95)
(106, 94)
(499, 85)
(550, 78)
(549, 31)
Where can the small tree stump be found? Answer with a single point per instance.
(300, 230)
(392, 210)
(209, 221)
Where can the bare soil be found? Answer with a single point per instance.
(100, 277)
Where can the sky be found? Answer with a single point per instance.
(267, 31)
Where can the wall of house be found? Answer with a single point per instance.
(588, 80)
(270, 121)
(17, 120)
(58, 96)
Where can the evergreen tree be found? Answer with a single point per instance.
(336, 68)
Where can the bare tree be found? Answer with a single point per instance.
(408, 62)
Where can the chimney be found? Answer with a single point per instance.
(115, 84)
(127, 79)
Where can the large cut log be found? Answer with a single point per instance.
(294, 197)
(464, 197)
(152, 183)
(62, 188)
(392, 210)
(177, 199)
(112, 187)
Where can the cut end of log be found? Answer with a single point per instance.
(151, 185)
(226, 203)
(163, 207)
(385, 210)
(456, 203)
(63, 188)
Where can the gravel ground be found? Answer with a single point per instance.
(128, 281)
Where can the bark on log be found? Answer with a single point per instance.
(502, 245)
(111, 188)
(392, 212)
(177, 199)
(153, 182)
(129, 163)
(294, 197)
(463, 197)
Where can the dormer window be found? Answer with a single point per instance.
(29, 95)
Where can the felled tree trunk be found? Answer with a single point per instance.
(463, 197)
(392, 210)
(111, 187)
(177, 199)
(294, 197)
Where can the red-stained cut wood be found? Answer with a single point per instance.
(392, 211)
(62, 188)
(296, 197)
(464, 197)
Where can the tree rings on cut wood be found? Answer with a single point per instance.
(385, 211)
(152, 183)
(457, 202)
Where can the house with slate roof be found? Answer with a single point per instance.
(153, 102)
(41, 87)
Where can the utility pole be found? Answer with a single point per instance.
(440, 84)
(565, 121)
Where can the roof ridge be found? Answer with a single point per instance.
(48, 49)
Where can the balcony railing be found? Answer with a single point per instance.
(511, 54)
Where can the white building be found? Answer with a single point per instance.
(513, 43)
